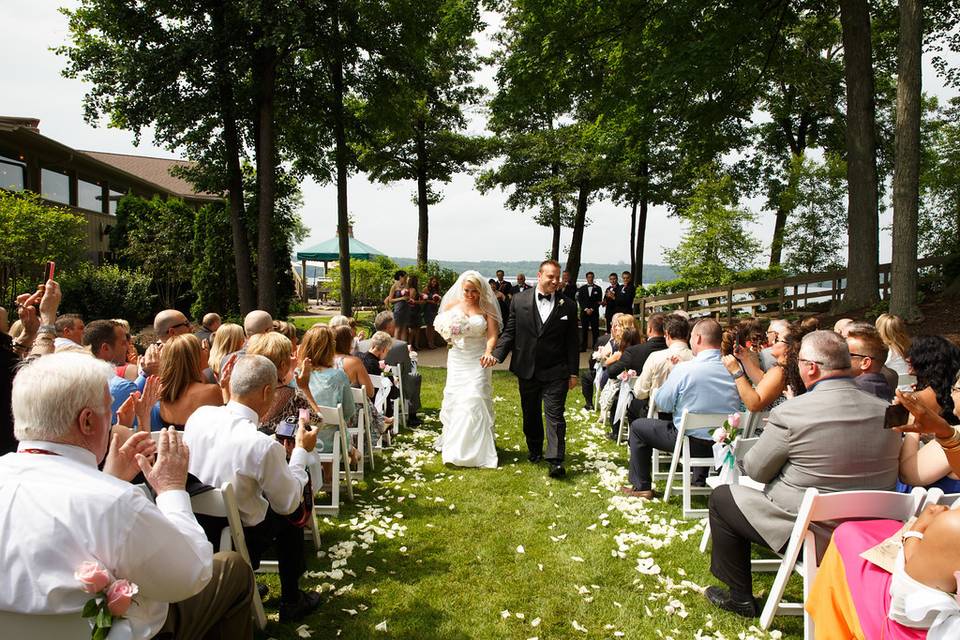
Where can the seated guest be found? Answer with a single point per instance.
(108, 342)
(287, 329)
(831, 438)
(676, 332)
(328, 385)
(745, 340)
(225, 446)
(778, 379)
(399, 354)
(288, 400)
(634, 356)
(357, 374)
(59, 511)
(170, 323)
(701, 385)
(777, 327)
(380, 343)
(610, 393)
(605, 347)
(810, 323)
(211, 322)
(840, 326)
(893, 332)
(182, 389)
(69, 328)
(867, 355)
(257, 321)
(229, 339)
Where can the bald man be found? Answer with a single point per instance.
(257, 321)
(211, 322)
(169, 323)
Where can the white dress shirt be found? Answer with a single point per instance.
(545, 305)
(225, 446)
(57, 511)
(658, 366)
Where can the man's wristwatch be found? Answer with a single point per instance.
(739, 374)
(47, 328)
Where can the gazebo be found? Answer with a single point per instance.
(329, 251)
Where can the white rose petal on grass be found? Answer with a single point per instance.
(382, 626)
(303, 631)
(352, 612)
(505, 614)
(535, 622)
(520, 549)
(579, 627)
(576, 558)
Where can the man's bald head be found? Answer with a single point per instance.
(212, 321)
(257, 321)
(706, 334)
(169, 323)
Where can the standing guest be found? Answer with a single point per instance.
(893, 332)
(130, 370)
(69, 333)
(399, 354)
(868, 355)
(211, 322)
(108, 342)
(415, 317)
(170, 323)
(701, 385)
(229, 339)
(182, 389)
(568, 286)
(397, 301)
(257, 321)
(589, 297)
(52, 485)
(626, 294)
(225, 446)
(521, 284)
(503, 290)
(431, 304)
(830, 438)
(610, 300)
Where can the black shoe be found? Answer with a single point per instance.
(612, 437)
(414, 421)
(263, 590)
(721, 598)
(535, 458)
(557, 471)
(307, 602)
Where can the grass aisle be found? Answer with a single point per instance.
(431, 552)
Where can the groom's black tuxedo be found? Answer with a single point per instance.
(545, 357)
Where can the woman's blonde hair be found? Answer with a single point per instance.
(626, 321)
(318, 345)
(287, 329)
(179, 366)
(893, 332)
(275, 347)
(228, 338)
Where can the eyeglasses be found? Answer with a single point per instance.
(181, 324)
(816, 362)
(860, 355)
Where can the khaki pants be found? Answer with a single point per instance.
(222, 611)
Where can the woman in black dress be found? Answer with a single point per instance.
(431, 304)
(397, 299)
(415, 312)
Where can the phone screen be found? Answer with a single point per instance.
(896, 416)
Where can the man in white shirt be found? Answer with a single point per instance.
(226, 446)
(659, 364)
(69, 329)
(57, 510)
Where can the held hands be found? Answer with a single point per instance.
(169, 472)
(487, 361)
(572, 382)
(123, 456)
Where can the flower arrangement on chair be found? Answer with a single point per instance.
(723, 439)
(111, 598)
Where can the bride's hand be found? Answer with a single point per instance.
(487, 360)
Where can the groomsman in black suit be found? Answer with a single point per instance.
(521, 285)
(589, 297)
(626, 294)
(541, 334)
(504, 292)
(610, 300)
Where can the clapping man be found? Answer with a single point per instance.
(589, 297)
(625, 294)
(610, 300)
(227, 447)
(521, 285)
(69, 333)
(504, 292)
(58, 511)
(108, 342)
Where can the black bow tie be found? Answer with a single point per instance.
(544, 296)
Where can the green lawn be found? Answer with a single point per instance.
(429, 551)
(303, 323)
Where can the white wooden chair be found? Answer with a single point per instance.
(740, 447)
(623, 403)
(658, 458)
(332, 457)
(334, 416)
(825, 507)
(688, 422)
(222, 503)
(753, 421)
(362, 432)
(400, 404)
(65, 626)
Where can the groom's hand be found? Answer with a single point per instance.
(572, 383)
(487, 360)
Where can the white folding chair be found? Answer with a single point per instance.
(623, 403)
(752, 421)
(222, 503)
(331, 415)
(826, 507)
(740, 447)
(333, 458)
(362, 432)
(658, 458)
(65, 626)
(688, 422)
(400, 404)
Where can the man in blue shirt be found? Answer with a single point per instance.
(108, 341)
(701, 385)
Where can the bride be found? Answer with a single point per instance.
(470, 321)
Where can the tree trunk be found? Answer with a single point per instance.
(340, 140)
(862, 219)
(906, 169)
(266, 75)
(641, 240)
(576, 244)
(231, 143)
(776, 246)
(423, 228)
(555, 220)
(633, 236)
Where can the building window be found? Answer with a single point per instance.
(114, 199)
(12, 173)
(89, 196)
(55, 186)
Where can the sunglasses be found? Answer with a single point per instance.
(181, 324)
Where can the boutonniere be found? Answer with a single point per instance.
(561, 302)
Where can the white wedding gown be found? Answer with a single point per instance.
(467, 439)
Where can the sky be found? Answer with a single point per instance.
(466, 225)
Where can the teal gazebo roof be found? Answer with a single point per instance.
(329, 250)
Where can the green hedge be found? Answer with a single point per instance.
(107, 292)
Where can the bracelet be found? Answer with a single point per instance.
(47, 328)
(952, 443)
(739, 374)
(911, 534)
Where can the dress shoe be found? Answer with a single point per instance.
(414, 421)
(557, 471)
(305, 604)
(721, 598)
(646, 494)
(535, 458)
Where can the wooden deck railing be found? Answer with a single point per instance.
(754, 297)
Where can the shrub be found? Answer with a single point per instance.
(107, 292)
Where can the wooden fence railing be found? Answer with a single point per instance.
(754, 298)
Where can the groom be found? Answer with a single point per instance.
(542, 333)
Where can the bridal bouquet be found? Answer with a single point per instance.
(450, 325)
(111, 598)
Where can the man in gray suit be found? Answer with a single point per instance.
(831, 438)
(399, 354)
